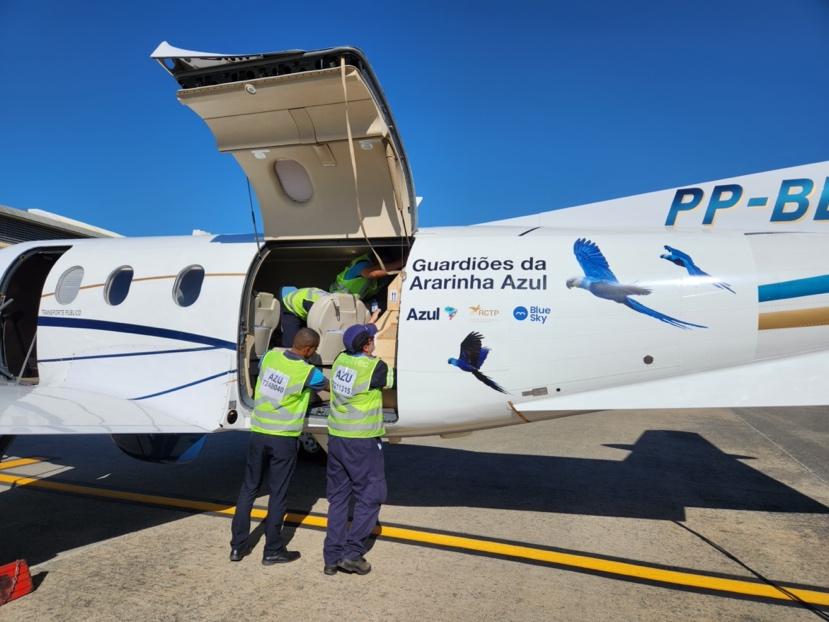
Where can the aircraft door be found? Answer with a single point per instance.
(20, 293)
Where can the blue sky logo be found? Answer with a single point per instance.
(520, 313)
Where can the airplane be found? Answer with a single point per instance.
(156, 340)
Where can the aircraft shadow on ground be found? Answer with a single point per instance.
(664, 473)
(37, 525)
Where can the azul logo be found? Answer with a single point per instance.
(534, 314)
(426, 314)
(482, 313)
(451, 312)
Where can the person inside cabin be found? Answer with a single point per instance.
(282, 397)
(296, 303)
(364, 276)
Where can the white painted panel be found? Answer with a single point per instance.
(584, 342)
(792, 381)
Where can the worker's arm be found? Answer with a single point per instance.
(317, 381)
(376, 272)
(383, 377)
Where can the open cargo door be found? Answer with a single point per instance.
(285, 118)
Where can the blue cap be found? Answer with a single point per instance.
(356, 336)
(288, 289)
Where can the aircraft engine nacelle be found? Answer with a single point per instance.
(161, 448)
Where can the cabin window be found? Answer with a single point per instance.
(118, 285)
(294, 180)
(188, 285)
(68, 285)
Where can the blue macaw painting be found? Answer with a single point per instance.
(674, 255)
(600, 281)
(472, 357)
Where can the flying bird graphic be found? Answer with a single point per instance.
(674, 255)
(600, 281)
(472, 357)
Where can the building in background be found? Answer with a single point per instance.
(26, 225)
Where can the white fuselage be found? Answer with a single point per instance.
(150, 365)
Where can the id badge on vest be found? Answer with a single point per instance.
(343, 381)
(274, 384)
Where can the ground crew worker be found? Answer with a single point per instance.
(363, 277)
(296, 303)
(283, 392)
(355, 453)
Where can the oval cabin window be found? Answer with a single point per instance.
(68, 285)
(118, 285)
(294, 180)
(188, 286)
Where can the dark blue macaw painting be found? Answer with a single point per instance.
(472, 357)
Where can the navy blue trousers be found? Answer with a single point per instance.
(355, 469)
(271, 458)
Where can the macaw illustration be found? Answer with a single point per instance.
(600, 281)
(674, 255)
(472, 357)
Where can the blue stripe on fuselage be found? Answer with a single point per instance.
(797, 288)
(134, 329)
(184, 386)
(126, 354)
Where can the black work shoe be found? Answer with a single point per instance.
(280, 557)
(236, 555)
(330, 569)
(359, 566)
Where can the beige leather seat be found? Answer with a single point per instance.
(265, 320)
(330, 316)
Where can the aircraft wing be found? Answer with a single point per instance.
(60, 410)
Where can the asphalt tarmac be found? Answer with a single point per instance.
(625, 515)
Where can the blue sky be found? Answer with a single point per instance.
(504, 108)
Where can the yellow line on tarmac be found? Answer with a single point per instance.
(615, 568)
(12, 464)
(120, 495)
(606, 566)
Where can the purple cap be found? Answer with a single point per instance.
(356, 336)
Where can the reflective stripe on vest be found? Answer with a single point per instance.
(294, 301)
(360, 286)
(356, 410)
(281, 398)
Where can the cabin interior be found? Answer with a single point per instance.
(307, 264)
(20, 295)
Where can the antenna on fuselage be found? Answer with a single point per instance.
(253, 216)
